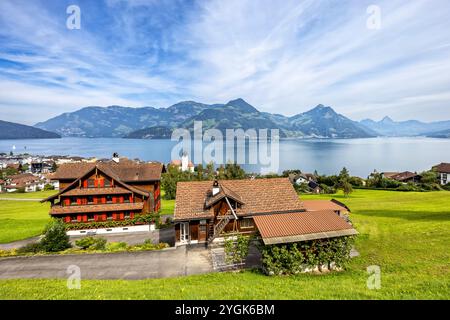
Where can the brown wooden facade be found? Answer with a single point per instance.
(99, 196)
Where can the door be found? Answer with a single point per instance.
(184, 232)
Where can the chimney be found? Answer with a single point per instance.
(184, 162)
(115, 157)
(215, 188)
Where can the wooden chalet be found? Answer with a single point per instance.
(208, 210)
(106, 191)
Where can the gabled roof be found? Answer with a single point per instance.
(442, 168)
(404, 176)
(301, 226)
(127, 170)
(257, 196)
(105, 171)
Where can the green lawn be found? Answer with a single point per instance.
(406, 234)
(22, 219)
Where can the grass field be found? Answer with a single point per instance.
(406, 234)
(23, 219)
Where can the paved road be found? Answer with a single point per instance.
(129, 265)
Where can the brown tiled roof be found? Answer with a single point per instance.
(389, 174)
(126, 170)
(442, 167)
(404, 176)
(96, 191)
(258, 196)
(320, 205)
(55, 210)
(301, 226)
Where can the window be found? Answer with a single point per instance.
(90, 199)
(73, 200)
(107, 183)
(90, 217)
(109, 217)
(109, 199)
(91, 183)
(246, 223)
(73, 219)
(127, 215)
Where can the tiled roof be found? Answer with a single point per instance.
(126, 170)
(442, 167)
(257, 195)
(319, 205)
(96, 191)
(301, 226)
(404, 176)
(96, 208)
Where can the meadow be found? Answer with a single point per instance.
(406, 234)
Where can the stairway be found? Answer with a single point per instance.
(218, 228)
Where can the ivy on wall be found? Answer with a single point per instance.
(294, 258)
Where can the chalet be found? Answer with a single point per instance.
(114, 190)
(205, 211)
(406, 177)
(443, 171)
(305, 178)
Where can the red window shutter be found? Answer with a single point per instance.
(78, 201)
(121, 199)
(114, 199)
(67, 219)
(131, 198)
(114, 216)
(85, 184)
(103, 199)
(85, 218)
(104, 217)
(121, 216)
(95, 217)
(102, 183)
(79, 218)
(132, 215)
(95, 183)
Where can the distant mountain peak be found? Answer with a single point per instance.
(242, 105)
(387, 119)
(320, 108)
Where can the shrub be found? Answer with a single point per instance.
(55, 238)
(91, 243)
(116, 246)
(48, 187)
(408, 187)
(34, 247)
(296, 257)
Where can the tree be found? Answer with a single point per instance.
(55, 238)
(344, 182)
(234, 171)
(429, 177)
(199, 170)
(210, 171)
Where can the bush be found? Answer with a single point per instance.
(296, 257)
(91, 243)
(55, 238)
(327, 189)
(408, 187)
(116, 246)
(48, 187)
(34, 247)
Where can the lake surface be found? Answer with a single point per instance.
(360, 156)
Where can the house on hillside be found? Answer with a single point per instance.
(305, 178)
(407, 176)
(443, 171)
(24, 181)
(205, 211)
(115, 190)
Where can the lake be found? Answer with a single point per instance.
(360, 156)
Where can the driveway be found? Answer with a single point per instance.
(172, 262)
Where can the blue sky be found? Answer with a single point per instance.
(281, 56)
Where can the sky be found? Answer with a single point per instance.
(280, 56)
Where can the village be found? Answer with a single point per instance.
(225, 218)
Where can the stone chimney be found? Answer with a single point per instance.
(115, 157)
(215, 188)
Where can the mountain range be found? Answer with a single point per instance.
(11, 130)
(391, 128)
(149, 122)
